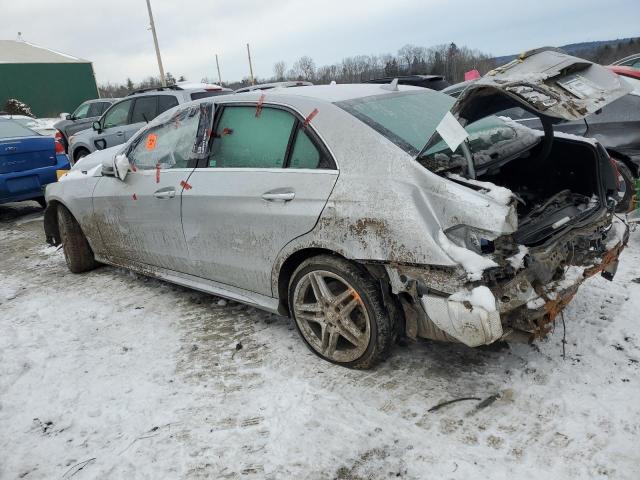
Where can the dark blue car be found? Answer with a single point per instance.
(28, 162)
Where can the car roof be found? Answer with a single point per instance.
(626, 59)
(331, 93)
(268, 86)
(106, 99)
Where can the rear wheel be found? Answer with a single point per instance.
(338, 310)
(77, 251)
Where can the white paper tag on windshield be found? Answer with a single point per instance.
(451, 131)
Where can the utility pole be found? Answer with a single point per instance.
(250, 66)
(218, 67)
(155, 42)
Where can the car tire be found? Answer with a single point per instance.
(625, 204)
(77, 251)
(338, 310)
(80, 153)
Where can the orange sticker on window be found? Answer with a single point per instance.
(151, 141)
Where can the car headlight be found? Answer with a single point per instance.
(474, 239)
(72, 139)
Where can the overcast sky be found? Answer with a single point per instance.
(114, 34)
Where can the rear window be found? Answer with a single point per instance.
(408, 119)
(212, 93)
(11, 129)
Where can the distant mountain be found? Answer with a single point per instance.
(587, 50)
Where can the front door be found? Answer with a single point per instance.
(265, 183)
(139, 218)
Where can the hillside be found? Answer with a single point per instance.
(603, 51)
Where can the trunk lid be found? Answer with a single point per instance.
(546, 82)
(26, 153)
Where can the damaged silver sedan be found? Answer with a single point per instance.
(365, 212)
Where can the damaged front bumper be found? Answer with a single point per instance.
(507, 304)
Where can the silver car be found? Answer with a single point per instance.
(365, 212)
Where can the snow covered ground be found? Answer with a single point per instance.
(113, 375)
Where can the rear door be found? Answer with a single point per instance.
(139, 218)
(265, 183)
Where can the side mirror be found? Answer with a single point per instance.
(121, 166)
(69, 116)
(96, 126)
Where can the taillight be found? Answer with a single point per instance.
(59, 146)
(59, 136)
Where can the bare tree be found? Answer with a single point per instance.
(279, 69)
(305, 68)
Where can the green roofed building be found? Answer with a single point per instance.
(49, 82)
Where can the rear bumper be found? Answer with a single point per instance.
(521, 308)
(29, 184)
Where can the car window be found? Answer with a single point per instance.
(408, 119)
(248, 141)
(170, 144)
(145, 109)
(117, 115)
(81, 111)
(12, 129)
(94, 110)
(165, 102)
(102, 107)
(304, 153)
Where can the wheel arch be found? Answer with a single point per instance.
(375, 269)
(625, 159)
(51, 228)
(289, 265)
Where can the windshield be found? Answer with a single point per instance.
(410, 119)
(12, 129)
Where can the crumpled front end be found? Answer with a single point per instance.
(518, 299)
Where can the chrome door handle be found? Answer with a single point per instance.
(165, 193)
(278, 196)
(121, 133)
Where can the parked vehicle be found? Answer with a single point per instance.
(434, 82)
(616, 126)
(632, 61)
(125, 117)
(28, 162)
(269, 86)
(364, 211)
(81, 118)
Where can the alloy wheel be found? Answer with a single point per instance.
(331, 316)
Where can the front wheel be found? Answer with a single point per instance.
(77, 251)
(338, 310)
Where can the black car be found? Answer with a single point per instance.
(434, 82)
